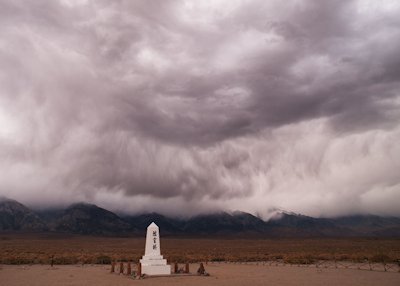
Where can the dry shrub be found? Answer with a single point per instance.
(307, 259)
(217, 259)
(27, 249)
(65, 260)
(177, 259)
(102, 259)
(380, 258)
(17, 260)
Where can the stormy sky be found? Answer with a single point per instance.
(183, 107)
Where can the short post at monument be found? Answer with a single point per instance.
(153, 262)
(187, 268)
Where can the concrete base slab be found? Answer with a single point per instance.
(156, 269)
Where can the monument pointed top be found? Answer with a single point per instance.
(153, 225)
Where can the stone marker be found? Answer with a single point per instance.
(201, 270)
(153, 262)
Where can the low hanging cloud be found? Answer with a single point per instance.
(185, 107)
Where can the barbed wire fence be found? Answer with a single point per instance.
(365, 265)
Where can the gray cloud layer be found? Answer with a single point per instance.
(189, 106)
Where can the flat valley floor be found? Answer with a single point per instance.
(220, 274)
(25, 259)
(75, 249)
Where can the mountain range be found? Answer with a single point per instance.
(89, 219)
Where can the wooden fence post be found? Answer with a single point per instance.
(139, 271)
(187, 268)
(112, 267)
(121, 268)
(129, 270)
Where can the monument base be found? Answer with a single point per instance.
(156, 269)
(155, 265)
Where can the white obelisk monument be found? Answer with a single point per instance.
(153, 262)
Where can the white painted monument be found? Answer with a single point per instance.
(153, 262)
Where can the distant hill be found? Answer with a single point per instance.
(370, 225)
(208, 224)
(224, 223)
(167, 225)
(85, 218)
(90, 219)
(14, 216)
(287, 224)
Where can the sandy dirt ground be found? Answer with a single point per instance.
(221, 274)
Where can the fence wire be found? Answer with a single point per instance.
(366, 265)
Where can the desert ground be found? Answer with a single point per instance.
(220, 274)
(83, 260)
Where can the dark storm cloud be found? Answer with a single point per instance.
(201, 104)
